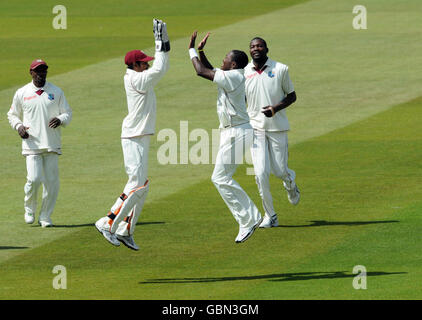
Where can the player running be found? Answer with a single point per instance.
(236, 132)
(137, 128)
(269, 91)
(38, 111)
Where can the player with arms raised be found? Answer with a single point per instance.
(137, 128)
(236, 132)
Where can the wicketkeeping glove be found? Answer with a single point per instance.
(162, 42)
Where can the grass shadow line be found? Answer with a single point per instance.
(93, 224)
(322, 223)
(271, 277)
(11, 247)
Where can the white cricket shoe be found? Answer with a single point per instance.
(269, 221)
(46, 224)
(29, 218)
(293, 195)
(110, 237)
(245, 233)
(128, 242)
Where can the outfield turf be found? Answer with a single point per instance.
(97, 31)
(361, 209)
(356, 148)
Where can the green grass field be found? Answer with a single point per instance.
(355, 144)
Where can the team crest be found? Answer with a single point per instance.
(51, 96)
(271, 74)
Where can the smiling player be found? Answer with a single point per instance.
(269, 91)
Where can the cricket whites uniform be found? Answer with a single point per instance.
(137, 128)
(34, 107)
(267, 87)
(235, 138)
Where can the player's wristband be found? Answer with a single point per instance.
(192, 53)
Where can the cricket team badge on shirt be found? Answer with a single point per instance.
(51, 96)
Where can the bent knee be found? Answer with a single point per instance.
(219, 179)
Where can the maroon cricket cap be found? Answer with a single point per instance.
(37, 63)
(136, 55)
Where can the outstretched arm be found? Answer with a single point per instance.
(203, 70)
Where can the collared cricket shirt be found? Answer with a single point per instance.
(34, 108)
(231, 105)
(266, 87)
(141, 100)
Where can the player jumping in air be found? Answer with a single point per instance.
(137, 128)
(236, 132)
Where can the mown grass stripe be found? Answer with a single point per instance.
(346, 217)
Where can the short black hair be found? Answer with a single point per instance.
(260, 39)
(240, 58)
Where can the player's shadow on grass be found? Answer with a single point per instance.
(11, 248)
(272, 277)
(93, 224)
(322, 223)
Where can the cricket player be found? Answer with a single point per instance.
(137, 128)
(39, 109)
(236, 132)
(269, 91)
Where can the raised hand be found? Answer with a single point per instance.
(201, 45)
(192, 40)
(162, 42)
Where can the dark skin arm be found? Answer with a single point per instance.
(202, 55)
(201, 69)
(270, 111)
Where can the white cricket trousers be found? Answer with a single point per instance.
(270, 153)
(128, 206)
(42, 169)
(234, 142)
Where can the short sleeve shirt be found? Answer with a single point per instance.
(231, 100)
(266, 87)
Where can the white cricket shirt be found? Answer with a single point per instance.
(35, 111)
(141, 101)
(231, 105)
(265, 88)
